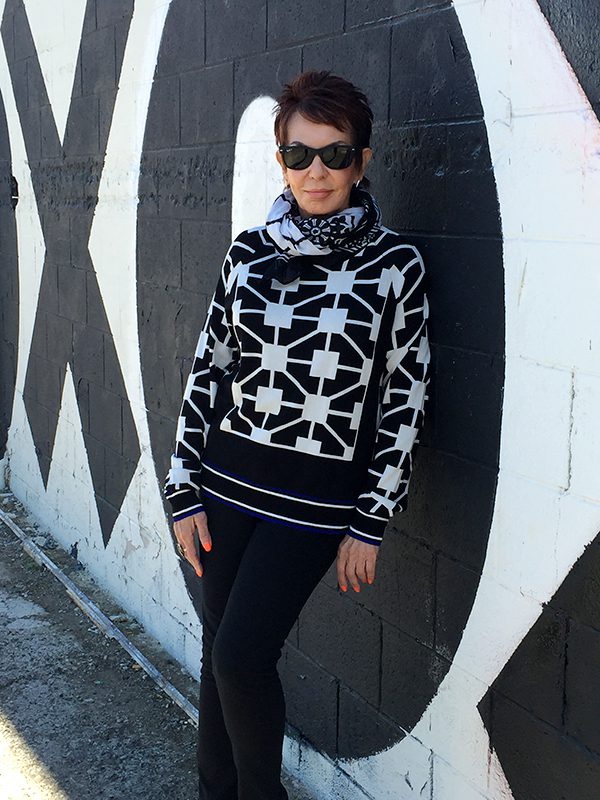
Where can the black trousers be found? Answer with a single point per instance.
(256, 579)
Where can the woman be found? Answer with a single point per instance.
(294, 440)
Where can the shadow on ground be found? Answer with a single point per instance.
(79, 720)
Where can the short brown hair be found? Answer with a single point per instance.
(323, 97)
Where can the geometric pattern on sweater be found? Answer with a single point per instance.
(305, 391)
(300, 356)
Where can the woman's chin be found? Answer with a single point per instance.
(319, 208)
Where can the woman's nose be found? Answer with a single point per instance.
(317, 169)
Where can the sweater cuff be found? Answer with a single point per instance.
(183, 515)
(184, 503)
(367, 528)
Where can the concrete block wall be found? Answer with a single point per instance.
(140, 138)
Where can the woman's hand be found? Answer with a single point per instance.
(184, 533)
(355, 562)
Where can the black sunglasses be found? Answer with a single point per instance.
(334, 156)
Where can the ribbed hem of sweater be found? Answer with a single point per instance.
(316, 514)
(185, 503)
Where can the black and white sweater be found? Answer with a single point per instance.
(305, 399)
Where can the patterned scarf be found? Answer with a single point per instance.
(296, 237)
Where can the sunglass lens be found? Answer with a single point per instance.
(337, 156)
(334, 156)
(296, 157)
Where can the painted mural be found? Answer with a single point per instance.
(70, 312)
(134, 139)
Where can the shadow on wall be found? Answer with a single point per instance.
(434, 181)
(9, 286)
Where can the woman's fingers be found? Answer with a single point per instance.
(190, 552)
(352, 575)
(184, 533)
(355, 563)
(370, 568)
(341, 571)
(360, 568)
(203, 532)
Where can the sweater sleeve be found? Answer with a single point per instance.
(400, 415)
(216, 352)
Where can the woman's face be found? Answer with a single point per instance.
(318, 190)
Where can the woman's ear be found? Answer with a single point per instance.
(282, 165)
(367, 155)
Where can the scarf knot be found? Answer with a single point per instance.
(329, 238)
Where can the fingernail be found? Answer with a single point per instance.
(208, 547)
(357, 589)
(370, 581)
(343, 588)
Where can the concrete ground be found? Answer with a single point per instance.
(79, 719)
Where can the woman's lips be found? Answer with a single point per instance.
(317, 193)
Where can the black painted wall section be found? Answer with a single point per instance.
(358, 670)
(71, 326)
(9, 287)
(542, 711)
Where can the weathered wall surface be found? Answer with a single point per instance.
(140, 138)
